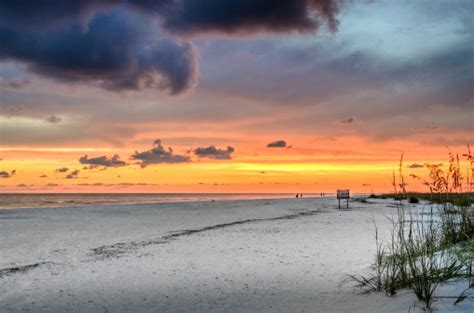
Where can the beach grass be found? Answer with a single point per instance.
(430, 247)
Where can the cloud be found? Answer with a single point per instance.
(348, 120)
(119, 184)
(62, 170)
(73, 174)
(93, 184)
(114, 161)
(277, 144)
(116, 50)
(51, 185)
(43, 176)
(250, 16)
(53, 119)
(125, 45)
(5, 174)
(415, 165)
(158, 154)
(135, 184)
(40, 13)
(186, 15)
(24, 186)
(15, 83)
(214, 153)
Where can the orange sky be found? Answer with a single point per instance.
(348, 90)
(253, 168)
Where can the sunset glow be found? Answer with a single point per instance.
(244, 107)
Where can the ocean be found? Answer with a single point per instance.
(45, 200)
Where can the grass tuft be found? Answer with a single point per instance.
(426, 248)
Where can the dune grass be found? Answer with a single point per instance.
(429, 247)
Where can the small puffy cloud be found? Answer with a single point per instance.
(348, 120)
(53, 119)
(24, 186)
(277, 144)
(43, 176)
(62, 170)
(214, 153)
(158, 154)
(73, 174)
(415, 165)
(51, 185)
(113, 161)
(5, 174)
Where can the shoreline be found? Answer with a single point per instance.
(164, 201)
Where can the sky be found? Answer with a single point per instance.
(231, 96)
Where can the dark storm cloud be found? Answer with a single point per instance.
(214, 153)
(415, 165)
(185, 15)
(248, 16)
(116, 51)
(41, 12)
(53, 12)
(158, 154)
(115, 44)
(277, 144)
(5, 174)
(113, 161)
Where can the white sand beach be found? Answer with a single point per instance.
(282, 255)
